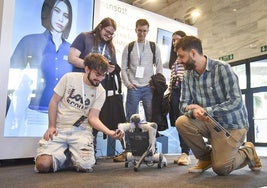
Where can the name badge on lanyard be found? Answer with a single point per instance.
(140, 72)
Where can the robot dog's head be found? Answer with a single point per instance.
(135, 118)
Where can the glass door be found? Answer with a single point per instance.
(252, 75)
(260, 116)
(258, 75)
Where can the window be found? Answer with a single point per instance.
(260, 116)
(258, 72)
(240, 71)
(252, 74)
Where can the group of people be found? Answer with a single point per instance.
(199, 87)
(93, 48)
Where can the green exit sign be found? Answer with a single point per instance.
(227, 57)
(264, 48)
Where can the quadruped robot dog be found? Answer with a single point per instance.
(141, 141)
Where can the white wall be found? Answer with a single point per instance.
(126, 15)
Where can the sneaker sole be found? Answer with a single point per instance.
(255, 156)
(255, 168)
(183, 163)
(118, 161)
(198, 170)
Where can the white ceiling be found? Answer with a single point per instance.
(226, 27)
(157, 6)
(150, 5)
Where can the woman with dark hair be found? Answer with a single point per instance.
(43, 59)
(46, 53)
(177, 71)
(175, 38)
(47, 16)
(99, 40)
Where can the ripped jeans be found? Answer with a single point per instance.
(77, 141)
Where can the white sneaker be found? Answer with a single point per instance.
(183, 159)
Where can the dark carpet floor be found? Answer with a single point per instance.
(108, 174)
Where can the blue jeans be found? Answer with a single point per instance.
(134, 96)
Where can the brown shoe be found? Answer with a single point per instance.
(120, 158)
(255, 163)
(201, 166)
(183, 159)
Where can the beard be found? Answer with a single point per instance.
(190, 64)
(94, 83)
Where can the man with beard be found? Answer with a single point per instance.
(73, 111)
(211, 88)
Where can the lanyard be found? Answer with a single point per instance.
(83, 96)
(140, 56)
(104, 48)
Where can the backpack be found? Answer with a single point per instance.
(152, 46)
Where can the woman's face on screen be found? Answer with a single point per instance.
(60, 17)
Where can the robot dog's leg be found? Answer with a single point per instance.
(160, 159)
(142, 159)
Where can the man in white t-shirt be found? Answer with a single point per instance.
(73, 112)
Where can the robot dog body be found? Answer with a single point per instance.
(141, 143)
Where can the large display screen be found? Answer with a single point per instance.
(42, 34)
(164, 40)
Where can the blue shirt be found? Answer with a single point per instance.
(39, 51)
(217, 91)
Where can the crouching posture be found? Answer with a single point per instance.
(211, 87)
(73, 111)
(141, 142)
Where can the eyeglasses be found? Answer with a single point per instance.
(98, 74)
(142, 31)
(109, 32)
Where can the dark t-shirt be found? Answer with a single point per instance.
(84, 42)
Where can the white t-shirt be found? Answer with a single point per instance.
(73, 106)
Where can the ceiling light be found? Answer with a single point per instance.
(192, 15)
(195, 13)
